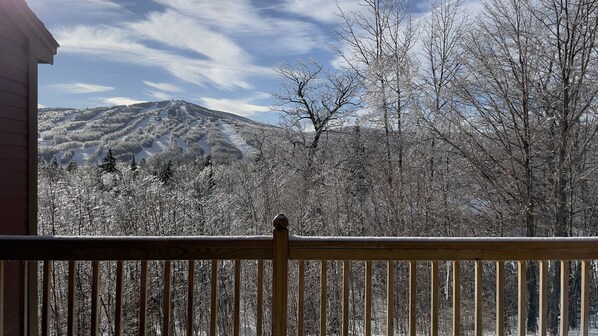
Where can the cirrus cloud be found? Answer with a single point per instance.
(81, 88)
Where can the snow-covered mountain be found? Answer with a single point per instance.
(171, 128)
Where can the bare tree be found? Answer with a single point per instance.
(315, 100)
(376, 42)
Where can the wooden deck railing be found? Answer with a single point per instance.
(281, 251)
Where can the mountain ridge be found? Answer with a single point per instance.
(172, 128)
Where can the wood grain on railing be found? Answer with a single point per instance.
(442, 249)
(166, 298)
(46, 289)
(543, 304)
(72, 299)
(564, 297)
(390, 296)
(323, 295)
(137, 248)
(118, 309)
(237, 299)
(301, 298)
(412, 298)
(213, 293)
(190, 297)
(260, 297)
(479, 303)
(95, 298)
(456, 298)
(280, 272)
(1, 297)
(346, 286)
(585, 297)
(521, 297)
(500, 298)
(143, 299)
(368, 298)
(434, 298)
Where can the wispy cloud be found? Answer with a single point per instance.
(166, 27)
(121, 45)
(81, 88)
(243, 19)
(159, 95)
(244, 107)
(163, 86)
(327, 10)
(120, 101)
(82, 8)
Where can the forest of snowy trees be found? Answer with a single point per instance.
(448, 125)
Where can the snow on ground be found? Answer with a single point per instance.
(229, 132)
(182, 144)
(82, 155)
(203, 142)
(157, 146)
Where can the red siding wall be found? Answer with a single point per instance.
(14, 105)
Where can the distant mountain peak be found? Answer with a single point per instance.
(169, 128)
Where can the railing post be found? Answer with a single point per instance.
(280, 266)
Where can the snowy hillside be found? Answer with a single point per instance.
(173, 128)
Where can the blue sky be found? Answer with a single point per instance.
(216, 53)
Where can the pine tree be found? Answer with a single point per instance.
(108, 164)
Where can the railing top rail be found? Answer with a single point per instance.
(300, 248)
(134, 248)
(429, 248)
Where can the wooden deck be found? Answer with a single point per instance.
(271, 257)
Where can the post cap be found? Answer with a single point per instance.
(280, 221)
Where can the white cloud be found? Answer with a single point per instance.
(243, 107)
(120, 45)
(241, 18)
(120, 101)
(159, 95)
(327, 10)
(82, 88)
(40, 105)
(166, 27)
(163, 86)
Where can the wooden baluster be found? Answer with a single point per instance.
(434, 298)
(95, 295)
(585, 297)
(166, 298)
(190, 297)
(412, 298)
(368, 298)
(301, 299)
(564, 297)
(46, 291)
(543, 324)
(323, 291)
(119, 299)
(72, 295)
(143, 299)
(237, 305)
(456, 298)
(500, 298)
(213, 293)
(521, 297)
(2, 298)
(260, 298)
(390, 302)
(479, 304)
(346, 285)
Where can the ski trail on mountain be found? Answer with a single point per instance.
(230, 134)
